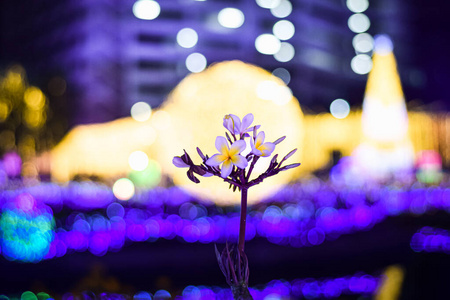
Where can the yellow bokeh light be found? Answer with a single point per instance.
(197, 107)
(138, 161)
(34, 98)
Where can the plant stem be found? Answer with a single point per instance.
(243, 219)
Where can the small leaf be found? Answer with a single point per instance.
(191, 176)
(279, 140)
(274, 159)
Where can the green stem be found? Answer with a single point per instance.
(243, 219)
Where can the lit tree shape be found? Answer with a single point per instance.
(236, 169)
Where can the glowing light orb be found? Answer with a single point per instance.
(138, 160)
(358, 23)
(286, 52)
(357, 6)
(361, 64)
(282, 10)
(187, 38)
(283, 74)
(146, 9)
(283, 30)
(141, 111)
(148, 177)
(123, 189)
(267, 44)
(363, 42)
(231, 17)
(196, 62)
(268, 3)
(339, 108)
(197, 107)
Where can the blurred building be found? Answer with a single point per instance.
(113, 54)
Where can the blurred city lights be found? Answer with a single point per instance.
(361, 64)
(146, 9)
(138, 160)
(283, 30)
(196, 62)
(282, 10)
(187, 38)
(363, 42)
(231, 17)
(286, 52)
(339, 108)
(283, 74)
(268, 3)
(141, 111)
(357, 6)
(123, 189)
(358, 23)
(267, 44)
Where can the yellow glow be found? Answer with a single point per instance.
(197, 107)
(392, 284)
(138, 160)
(4, 110)
(34, 118)
(34, 98)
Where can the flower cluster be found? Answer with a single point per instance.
(230, 163)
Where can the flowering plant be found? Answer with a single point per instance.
(234, 168)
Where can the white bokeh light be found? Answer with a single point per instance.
(283, 74)
(357, 6)
(286, 52)
(196, 62)
(383, 44)
(146, 9)
(141, 111)
(187, 38)
(138, 160)
(358, 23)
(267, 44)
(283, 30)
(268, 3)
(361, 64)
(339, 108)
(282, 10)
(231, 17)
(123, 189)
(363, 42)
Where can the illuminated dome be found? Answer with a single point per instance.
(195, 110)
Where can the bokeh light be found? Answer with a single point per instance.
(283, 74)
(268, 3)
(282, 10)
(363, 43)
(357, 6)
(141, 111)
(196, 62)
(286, 52)
(138, 160)
(361, 64)
(283, 30)
(231, 17)
(146, 9)
(123, 189)
(187, 38)
(358, 23)
(339, 108)
(267, 44)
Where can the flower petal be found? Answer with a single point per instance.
(254, 150)
(216, 160)
(267, 149)
(237, 147)
(179, 163)
(260, 139)
(228, 123)
(227, 167)
(239, 161)
(236, 124)
(222, 144)
(246, 122)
